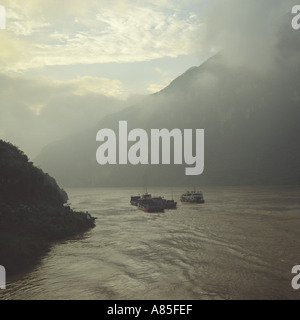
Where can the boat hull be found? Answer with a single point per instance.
(148, 203)
(151, 209)
(192, 201)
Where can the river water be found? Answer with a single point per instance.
(241, 244)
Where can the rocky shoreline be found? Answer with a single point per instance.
(33, 212)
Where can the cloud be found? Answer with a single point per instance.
(76, 32)
(37, 110)
(102, 86)
(48, 33)
(247, 32)
(165, 80)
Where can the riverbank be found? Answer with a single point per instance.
(33, 211)
(27, 232)
(241, 244)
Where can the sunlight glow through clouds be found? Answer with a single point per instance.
(95, 32)
(85, 85)
(80, 61)
(165, 80)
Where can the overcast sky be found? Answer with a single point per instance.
(66, 63)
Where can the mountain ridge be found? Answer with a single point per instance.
(248, 118)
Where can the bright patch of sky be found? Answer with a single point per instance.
(142, 44)
(65, 64)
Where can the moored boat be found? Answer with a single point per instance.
(151, 204)
(170, 204)
(134, 200)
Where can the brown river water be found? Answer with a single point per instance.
(241, 244)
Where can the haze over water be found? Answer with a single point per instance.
(241, 244)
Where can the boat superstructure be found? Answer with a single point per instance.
(192, 197)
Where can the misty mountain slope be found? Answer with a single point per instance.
(250, 116)
(251, 127)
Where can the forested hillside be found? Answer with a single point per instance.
(32, 211)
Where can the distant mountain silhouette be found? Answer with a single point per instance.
(251, 121)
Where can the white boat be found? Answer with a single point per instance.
(193, 197)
